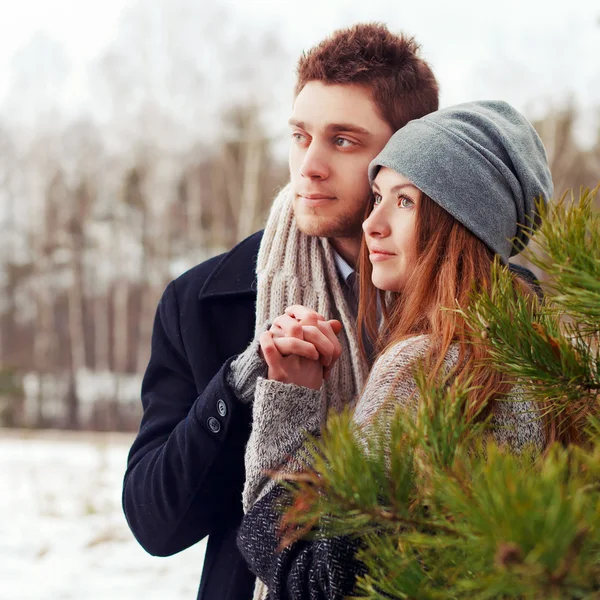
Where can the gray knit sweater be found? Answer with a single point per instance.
(282, 416)
(284, 413)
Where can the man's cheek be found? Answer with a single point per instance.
(295, 161)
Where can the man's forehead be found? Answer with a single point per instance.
(335, 108)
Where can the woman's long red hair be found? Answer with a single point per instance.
(451, 263)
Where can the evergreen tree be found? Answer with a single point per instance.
(441, 511)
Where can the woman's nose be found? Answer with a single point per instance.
(375, 225)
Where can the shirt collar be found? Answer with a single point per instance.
(344, 269)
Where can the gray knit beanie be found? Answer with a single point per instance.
(482, 162)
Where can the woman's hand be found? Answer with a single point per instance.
(316, 329)
(301, 347)
(287, 362)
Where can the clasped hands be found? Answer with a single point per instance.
(301, 347)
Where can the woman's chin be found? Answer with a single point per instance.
(385, 284)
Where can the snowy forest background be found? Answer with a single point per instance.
(97, 214)
(171, 154)
(98, 211)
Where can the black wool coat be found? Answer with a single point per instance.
(185, 471)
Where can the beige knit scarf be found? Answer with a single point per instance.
(294, 268)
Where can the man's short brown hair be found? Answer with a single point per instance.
(368, 54)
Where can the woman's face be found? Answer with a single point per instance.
(390, 230)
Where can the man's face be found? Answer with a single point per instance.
(336, 132)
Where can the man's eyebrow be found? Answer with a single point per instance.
(334, 127)
(341, 127)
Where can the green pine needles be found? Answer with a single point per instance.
(442, 512)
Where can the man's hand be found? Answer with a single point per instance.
(301, 347)
(305, 324)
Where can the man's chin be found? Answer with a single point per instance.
(321, 223)
(316, 225)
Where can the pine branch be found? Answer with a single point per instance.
(567, 249)
(441, 511)
(557, 363)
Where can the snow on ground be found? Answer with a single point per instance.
(63, 535)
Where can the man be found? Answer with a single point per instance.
(185, 471)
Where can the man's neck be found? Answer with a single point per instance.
(347, 248)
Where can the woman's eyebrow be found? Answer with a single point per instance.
(401, 186)
(396, 188)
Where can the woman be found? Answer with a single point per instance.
(450, 192)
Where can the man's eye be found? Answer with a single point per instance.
(299, 137)
(343, 142)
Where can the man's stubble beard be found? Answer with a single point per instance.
(346, 225)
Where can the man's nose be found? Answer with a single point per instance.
(315, 164)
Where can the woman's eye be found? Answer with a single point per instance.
(376, 199)
(405, 202)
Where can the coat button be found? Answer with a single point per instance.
(222, 408)
(214, 425)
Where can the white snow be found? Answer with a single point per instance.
(63, 535)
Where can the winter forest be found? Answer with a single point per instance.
(99, 213)
(177, 161)
(123, 168)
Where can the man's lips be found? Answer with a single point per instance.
(315, 199)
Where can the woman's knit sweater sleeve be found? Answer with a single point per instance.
(282, 415)
(515, 421)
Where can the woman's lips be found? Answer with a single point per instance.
(380, 255)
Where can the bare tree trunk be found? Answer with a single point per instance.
(81, 201)
(120, 338)
(250, 196)
(45, 339)
(195, 211)
(101, 330)
(225, 188)
(148, 304)
(120, 325)
(76, 337)
(144, 329)
(8, 167)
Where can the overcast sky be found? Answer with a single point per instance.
(527, 52)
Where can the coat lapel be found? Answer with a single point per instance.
(235, 274)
